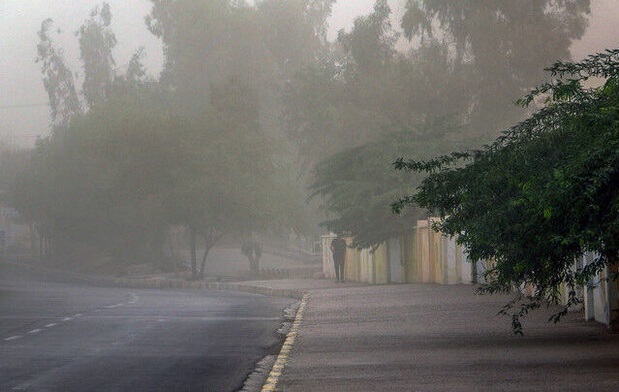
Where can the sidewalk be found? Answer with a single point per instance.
(418, 337)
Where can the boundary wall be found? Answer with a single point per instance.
(427, 256)
(422, 256)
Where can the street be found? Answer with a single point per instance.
(61, 333)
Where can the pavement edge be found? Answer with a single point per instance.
(270, 384)
(156, 283)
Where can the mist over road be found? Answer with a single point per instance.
(62, 333)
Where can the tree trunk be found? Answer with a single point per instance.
(210, 239)
(254, 266)
(207, 248)
(193, 236)
(48, 248)
(33, 240)
(41, 248)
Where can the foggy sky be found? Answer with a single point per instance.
(23, 110)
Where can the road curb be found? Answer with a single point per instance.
(159, 283)
(272, 380)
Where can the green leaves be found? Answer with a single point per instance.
(547, 213)
(97, 41)
(357, 187)
(57, 78)
(542, 194)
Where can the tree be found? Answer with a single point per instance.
(371, 43)
(93, 181)
(226, 63)
(191, 149)
(358, 185)
(337, 103)
(57, 78)
(463, 65)
(229, 183)
(96, 41)
(449, 87)
(100, 180)
(542, 194)
(508, 44)
(208, 43)
(294, 32)
(12, 159)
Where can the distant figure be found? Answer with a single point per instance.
(338, 248)
(252, 249)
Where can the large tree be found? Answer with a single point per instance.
(58, 78)
(100, 180)
(348, 97)
(358, 185)
(97, 41)
(508, 43)
(477, 57)
(542, 194)
(194, 148)
(228, 186)
(452, 85)
(226, 63)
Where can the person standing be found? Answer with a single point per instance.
(338, 248)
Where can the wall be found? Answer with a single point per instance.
(426, 256)
(601, 295)
(421, 256)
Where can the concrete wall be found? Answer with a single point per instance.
(352, 266)
(366, 261)
(380, 261)
(410, 262)
(601, 295)
(423, 252)
(397, 273)
(423, 256)
(328, 268)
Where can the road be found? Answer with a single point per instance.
(61, 333)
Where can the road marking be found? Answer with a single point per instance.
(134, 298)
(276, 372)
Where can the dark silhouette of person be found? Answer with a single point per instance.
(252, 249)
(338, 248)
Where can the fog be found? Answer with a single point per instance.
(234, 128)
(24, 110)
(181, 180)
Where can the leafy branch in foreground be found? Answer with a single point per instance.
(542, 194)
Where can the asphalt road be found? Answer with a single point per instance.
(60, 333)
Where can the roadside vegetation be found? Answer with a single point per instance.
(542, 194)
